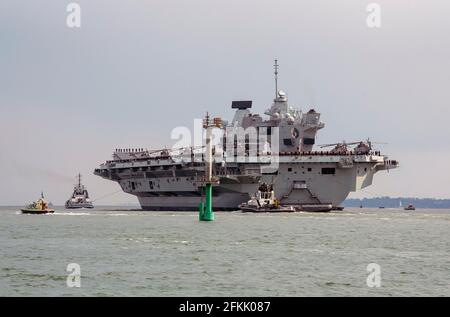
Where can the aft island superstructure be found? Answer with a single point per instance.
(303, 174)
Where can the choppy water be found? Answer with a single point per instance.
(173, 254)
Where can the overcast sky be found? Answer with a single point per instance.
(137, 69)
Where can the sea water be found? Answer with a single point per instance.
(136, 253)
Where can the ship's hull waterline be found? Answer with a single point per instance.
(222, 202)
(86, 206)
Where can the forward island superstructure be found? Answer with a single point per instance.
(304, 175)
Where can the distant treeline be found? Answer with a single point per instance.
(389, 202)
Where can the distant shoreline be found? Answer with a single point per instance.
(391, 202)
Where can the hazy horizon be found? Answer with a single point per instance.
(137, 69)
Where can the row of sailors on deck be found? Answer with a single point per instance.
(331, 153)
(164, 154)
(343, 152)
(130, 150)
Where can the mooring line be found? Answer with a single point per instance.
(107, 195)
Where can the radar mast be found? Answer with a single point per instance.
(276, 66)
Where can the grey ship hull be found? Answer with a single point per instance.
(299, 180)
(222, 202)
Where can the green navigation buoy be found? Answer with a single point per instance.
(205, 209)
(206, 212)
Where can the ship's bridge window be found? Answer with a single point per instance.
(328, 171)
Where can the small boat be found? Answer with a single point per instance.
(264, 201)
(38, 207)
(410, 207)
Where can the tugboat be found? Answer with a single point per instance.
(410, 207)
(38, 207)
(264, 201)
(80, 197)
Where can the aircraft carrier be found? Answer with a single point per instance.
(302, 173)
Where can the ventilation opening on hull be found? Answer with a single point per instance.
(328, 171)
